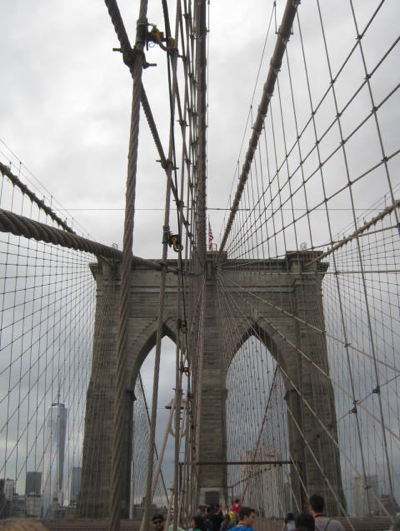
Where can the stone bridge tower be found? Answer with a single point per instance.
(282, 288)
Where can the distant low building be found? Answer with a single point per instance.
(33, 505)
(75, 484)
(389, 504)
(56, 511)
(264, 484)
(9, 488)
(18, 509)
(365, 495)
(4, 503)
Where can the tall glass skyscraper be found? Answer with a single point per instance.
(53, 460)
(33, 483)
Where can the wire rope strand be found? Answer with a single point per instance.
(148, 495)
(283, 36)
(126, 267)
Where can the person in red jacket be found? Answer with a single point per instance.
(236, 506)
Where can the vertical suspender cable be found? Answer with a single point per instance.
(148, 496)
(201, 75)
(126, 267)
(147, 502)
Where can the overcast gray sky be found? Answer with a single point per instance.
(65, 106)
(65, 112)
(66, 96)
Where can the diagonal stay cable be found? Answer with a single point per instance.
(322, 371)
(276, 62)
(126, 49)
(163, 159)
(155, 445)
(311, 326)
(304, 400)
(229, 305)
(136, 68)
(130, 56)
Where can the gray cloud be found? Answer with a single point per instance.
(66, 97)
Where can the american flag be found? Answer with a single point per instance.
(210, 237)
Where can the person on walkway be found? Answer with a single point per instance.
(289, 524)
(236, 506)
(198, 523)
(246, 519)
(209, 524)
(158, 522)
(217, 518)
(305, 522)
(227, 523)
(322, 523)
(202, 510)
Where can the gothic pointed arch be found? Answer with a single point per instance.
(261, 330)
(147, 342)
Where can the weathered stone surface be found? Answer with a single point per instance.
(256, 289)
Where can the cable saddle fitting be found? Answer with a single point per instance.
(182, 325)
(157, 37)
(184, 369)
(129, 57)
(174, 240)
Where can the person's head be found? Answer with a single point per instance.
(158, 522)
(22, 525)
(316, 504)
(227, 519)
(247, 516)
(198, 523)
(305, 521)
(237, 500)
(289, 516)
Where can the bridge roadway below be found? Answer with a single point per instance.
(380, 523)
